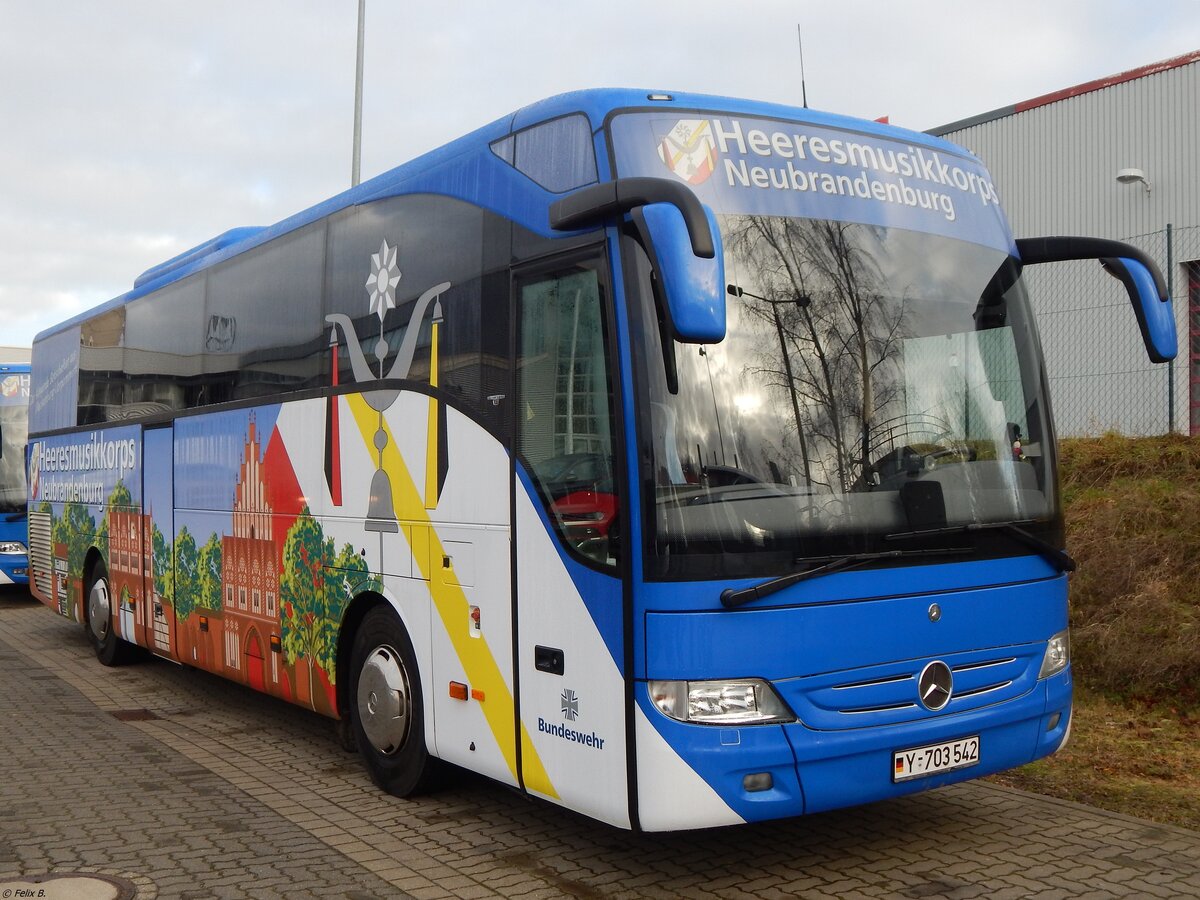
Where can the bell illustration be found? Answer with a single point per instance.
(381, 511)
(381, 514)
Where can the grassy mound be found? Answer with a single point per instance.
(1133, 524)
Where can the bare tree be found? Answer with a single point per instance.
(820, 289)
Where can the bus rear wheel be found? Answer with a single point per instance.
(98, 621)
(386, 707)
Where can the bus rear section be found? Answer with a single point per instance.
(14, 427)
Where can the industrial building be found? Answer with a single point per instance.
(1115, 158)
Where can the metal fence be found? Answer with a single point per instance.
(1100, 377)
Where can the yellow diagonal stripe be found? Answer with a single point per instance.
(696, 137)
(451, 603)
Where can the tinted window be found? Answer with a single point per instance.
(263, 332)
(564, 394)
(438, 257)
(558, 155)
(164, 349)
(14, 422)
(102, 367)
(56, 373)
(256, 325)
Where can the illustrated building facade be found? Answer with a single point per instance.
(131, 579)
(250, 574)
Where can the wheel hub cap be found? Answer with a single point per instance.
(99, 610)
(383, 701)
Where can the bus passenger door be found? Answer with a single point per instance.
(568, 605)
(158, 534)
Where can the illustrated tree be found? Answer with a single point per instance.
(209, 573)
(187, 582)
(354, 577)
(306, 628)
(345, 578)
(317, 584)
(868, 326)
(828, 334)
(164, 568)
(77, 529)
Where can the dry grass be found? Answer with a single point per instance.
(1126, 757)
(1133, 524)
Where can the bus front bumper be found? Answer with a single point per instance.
(776, 771)
(14, 569)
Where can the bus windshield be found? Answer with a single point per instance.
(874, 382)
(14, 422)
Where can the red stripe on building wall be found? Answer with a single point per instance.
(1193, 270)
(1101, 83)
(1066, 93)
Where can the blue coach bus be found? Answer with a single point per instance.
(681, 460)
(14, 422)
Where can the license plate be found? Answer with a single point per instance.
(933, 758)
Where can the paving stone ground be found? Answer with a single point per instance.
(187, 786)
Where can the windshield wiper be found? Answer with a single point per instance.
(731, 599)
(1057, 557)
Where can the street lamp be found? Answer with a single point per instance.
(801, 301)
(358, 84)
(1133, 176)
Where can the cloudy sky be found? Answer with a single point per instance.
(134, 129)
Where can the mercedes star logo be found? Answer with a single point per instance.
(935, 686)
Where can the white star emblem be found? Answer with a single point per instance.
(385, 275)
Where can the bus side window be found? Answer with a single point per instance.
(164, 341)
(263, 333)
(102, 367)
(434, 240)
(564, 409)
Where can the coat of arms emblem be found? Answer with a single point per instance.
(689, 150)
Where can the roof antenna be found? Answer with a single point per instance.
(803, 89)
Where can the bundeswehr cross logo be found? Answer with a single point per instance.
(570, 705)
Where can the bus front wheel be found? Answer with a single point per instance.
(386, 706)
(110, 649)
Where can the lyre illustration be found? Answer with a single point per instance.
(381, 513)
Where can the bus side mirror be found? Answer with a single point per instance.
(681, 236)
(1155, 317)
(1129, 265)
(694, 287)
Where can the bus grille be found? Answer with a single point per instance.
(40, 556)
(887, 694)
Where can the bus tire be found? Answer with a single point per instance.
(110, 649)
(386, 706)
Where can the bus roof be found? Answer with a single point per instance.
(449, 169)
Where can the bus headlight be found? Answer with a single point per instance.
(746, 701)
(1058, 654)
(11, 547)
